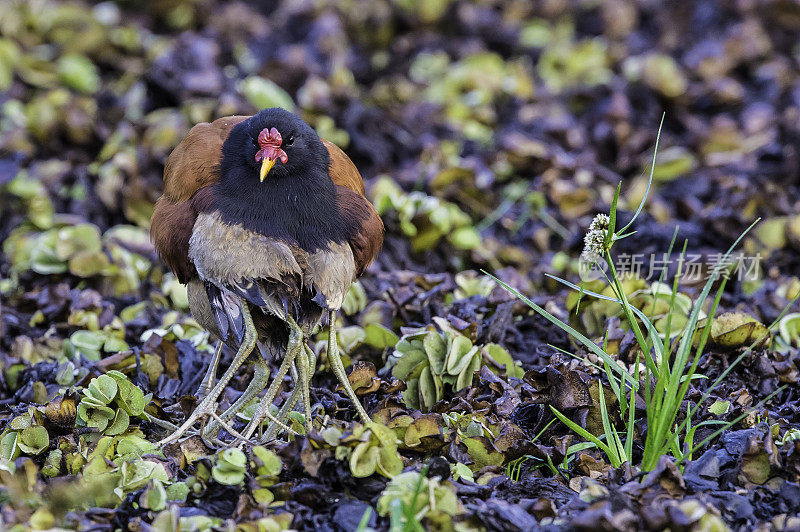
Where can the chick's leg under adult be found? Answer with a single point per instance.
(338, 369)
(275, 427)
(293, 348)
(209, 403)
(257, 383)
(211, 374)
(305, 371)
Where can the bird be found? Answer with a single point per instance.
(268, 225)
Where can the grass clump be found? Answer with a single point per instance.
(669, 366)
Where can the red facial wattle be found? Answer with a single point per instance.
(270, 143)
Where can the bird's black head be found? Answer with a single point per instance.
(272, 145)
(274, 180)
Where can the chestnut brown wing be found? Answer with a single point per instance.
(192, 164)
(353, 205)
(342, 170)
(190, 167)
(367, 238)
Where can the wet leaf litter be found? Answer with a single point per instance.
(489, 135)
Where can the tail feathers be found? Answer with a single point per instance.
(277, 300)
(227, 314)
(250, 291)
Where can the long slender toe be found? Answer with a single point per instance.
(203, 409)
(207, 384)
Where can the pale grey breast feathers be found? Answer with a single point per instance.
(331, 272)
(229, 254)
(232, 255)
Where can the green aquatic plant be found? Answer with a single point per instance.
(412, 497)
(427, 360)
(467, 89)
(82, 251)
(567, 64)
(263, 93)
(230, 467)
(426, 220)
(789, 328)
(109, 402)
(369, 449)
(265, 466)
(23, 437)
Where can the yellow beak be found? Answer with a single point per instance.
(266, 166)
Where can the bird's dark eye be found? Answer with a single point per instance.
(290, 140)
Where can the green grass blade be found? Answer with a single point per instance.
(738, 359)
(729, 424)
(612, 218)
(664, 270)
(396, 515)
(611, 435)
(658, 433)
(673, 392)
(569, 330)
(362, 525)
(668, 329)
(649, 180)
(631, 419)
(627, 309)
(586, 435)
(539, 434)
(614, 385)
(651, 330)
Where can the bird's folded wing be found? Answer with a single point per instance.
(366, 227)
(341, 169)
(190, 167)
(170, 230)
(193, 163)
(329, 274)
(227, 313)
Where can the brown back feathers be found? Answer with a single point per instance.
(190, 167)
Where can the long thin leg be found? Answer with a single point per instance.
(312, 364)
(295, 344)
(302, 383)
(338, 369)
(293, 372)
(209, 402)
(288, 405)
(258, 383)
(211, 374)
(312, 360)
(283, 414)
